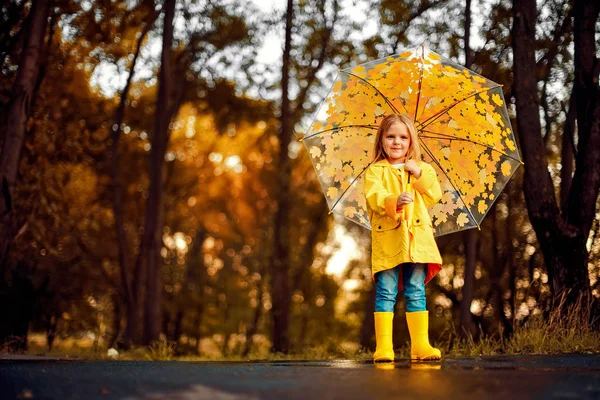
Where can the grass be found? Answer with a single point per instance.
(564, 332)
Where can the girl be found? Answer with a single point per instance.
(404, 253)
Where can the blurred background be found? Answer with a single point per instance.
(155, 192)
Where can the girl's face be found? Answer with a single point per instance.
(396, 143)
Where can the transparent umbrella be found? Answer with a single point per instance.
(463, 127)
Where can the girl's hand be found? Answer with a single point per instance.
(412, 167)
(404, 198)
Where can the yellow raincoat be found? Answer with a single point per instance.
(402, 235)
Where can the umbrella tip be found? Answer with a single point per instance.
(330, 212)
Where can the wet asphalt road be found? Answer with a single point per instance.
(507, 377)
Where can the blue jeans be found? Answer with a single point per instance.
(413, 279)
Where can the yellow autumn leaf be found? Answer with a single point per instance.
(441, 218)
(315, 152)
(462, 219)
(434, 56)
(332, 192)
(481, 206)
(497, 99)
(506, 168)
(349, 212)
(339, 176)
(510, 144)
(480, 107)
(447, 197)
(358, 69)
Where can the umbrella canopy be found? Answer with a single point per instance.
(463, 127)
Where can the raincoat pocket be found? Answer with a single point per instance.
(423, 244)
(389, 238)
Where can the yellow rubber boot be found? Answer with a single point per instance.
(418, 327)
(383, 336)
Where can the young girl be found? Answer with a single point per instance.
(398, 189)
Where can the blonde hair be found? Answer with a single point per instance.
(414, 150)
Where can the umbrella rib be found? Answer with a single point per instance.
(349, 186)
(394, 109)
(340, 127)
(451, 138)
(432, 119)
(420, 83)
(449, 180)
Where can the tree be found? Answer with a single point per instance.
(561, 232)
(466, 318)
(280, 284)
(130, 284)
(165, 109)
(318, 45)
(19, 110)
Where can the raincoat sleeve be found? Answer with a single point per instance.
(379, 199)
(428, 185)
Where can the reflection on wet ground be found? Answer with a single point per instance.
(574, 376)
(572, 362)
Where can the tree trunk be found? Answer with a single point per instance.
(116, 326)
(567, 153)
(128, 284)
(562, 238)
(581, 205)
(302, 278)
(193, 282)
(151, 241)
(254, 323)
(19, 110)
(367, 330)
(467, 329)
(467, 37)
(280, 284)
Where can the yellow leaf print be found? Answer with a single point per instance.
(315, 152)
(332, 192)
(510, 144)
(339, 176)
(497, 99)
(357, 70)
(481, 206)
(441, 218)
(480, 107)
(433, 56)
(349, 212)
(462, 219)
(447, 197)
(506, 168)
